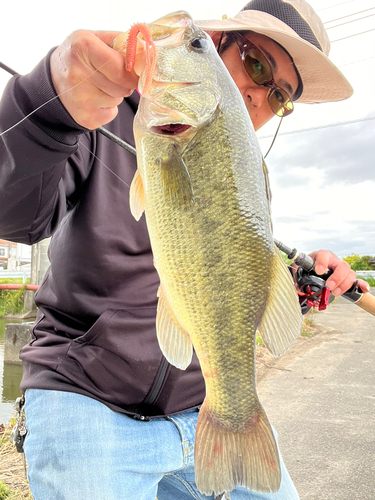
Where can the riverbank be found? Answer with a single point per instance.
(13, 484)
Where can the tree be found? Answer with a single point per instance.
(360, 263)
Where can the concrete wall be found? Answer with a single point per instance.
(17, 335)
(39, 265)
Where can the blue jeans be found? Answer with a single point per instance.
(77, 448)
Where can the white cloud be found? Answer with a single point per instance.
(309, 212)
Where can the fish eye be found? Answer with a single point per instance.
(199, 45)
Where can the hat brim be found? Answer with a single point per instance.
(322, 80)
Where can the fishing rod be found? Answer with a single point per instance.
(102, 130)
(312, 289)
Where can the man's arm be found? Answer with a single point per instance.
(41, 162)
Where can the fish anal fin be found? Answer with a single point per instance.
(174, 342)
(137, 196)
(281, 323)
(225, 457)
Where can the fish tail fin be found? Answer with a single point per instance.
(225, 458)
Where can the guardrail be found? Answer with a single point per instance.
(365, 274)
(15, 274)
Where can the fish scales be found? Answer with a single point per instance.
(224, 297)
(203, 191)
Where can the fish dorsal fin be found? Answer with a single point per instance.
(174, 342)
(137, 196)
(282, 320)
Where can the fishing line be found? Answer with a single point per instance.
(274, 139)
(12, 72)
(102, 162)
(102, 130)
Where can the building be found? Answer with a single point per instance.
(13, 255)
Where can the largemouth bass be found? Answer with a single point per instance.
(201, 185)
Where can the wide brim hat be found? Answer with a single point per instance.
(297, 28)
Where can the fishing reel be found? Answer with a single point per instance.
(311, 287)
(312, 290)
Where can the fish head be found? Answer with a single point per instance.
(185, 91)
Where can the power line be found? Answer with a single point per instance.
(332, 6)
(321, 127)
(356, 62)
(349, 15)
(350, 36)
(347, 22)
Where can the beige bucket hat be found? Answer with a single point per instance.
(294, 25)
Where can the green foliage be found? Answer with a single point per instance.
(4, 491)
(369, 279)
(259, 340)
(308, 326)
(12, 301)
(360, 263)
(287, 261)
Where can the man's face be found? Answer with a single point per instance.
(255, 97)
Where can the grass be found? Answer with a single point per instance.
(308, 326)
(369, 279)
(12, 301)
(4, 491)
(13, 485)
(259, 340)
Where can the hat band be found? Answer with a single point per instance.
(288, 15)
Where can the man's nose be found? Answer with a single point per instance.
(257, 95)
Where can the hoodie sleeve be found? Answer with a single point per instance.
(44, 157)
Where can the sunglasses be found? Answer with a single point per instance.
(259, 69)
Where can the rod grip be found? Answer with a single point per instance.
(367, 302)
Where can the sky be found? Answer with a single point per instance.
(322, 165)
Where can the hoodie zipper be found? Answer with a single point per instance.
(155, 391)
(151, 398)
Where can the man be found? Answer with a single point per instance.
(107, 416)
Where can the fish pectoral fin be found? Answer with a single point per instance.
(137, 196)
(174, 342)
(176, 178)
(282, 320)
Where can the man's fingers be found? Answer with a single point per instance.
(364, 286)
(110, 63)
(344, 285)
(342, 277)
(322, 259)
(107, 36)
(90, 77)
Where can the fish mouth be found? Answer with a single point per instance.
(170, 129)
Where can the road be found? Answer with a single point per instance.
(320, 397)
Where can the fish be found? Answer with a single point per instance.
(201, 185)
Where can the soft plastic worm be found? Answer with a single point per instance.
(131, 49)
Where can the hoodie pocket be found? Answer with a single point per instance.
(117, 359)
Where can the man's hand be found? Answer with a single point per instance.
(342, 277)
(90, 77)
